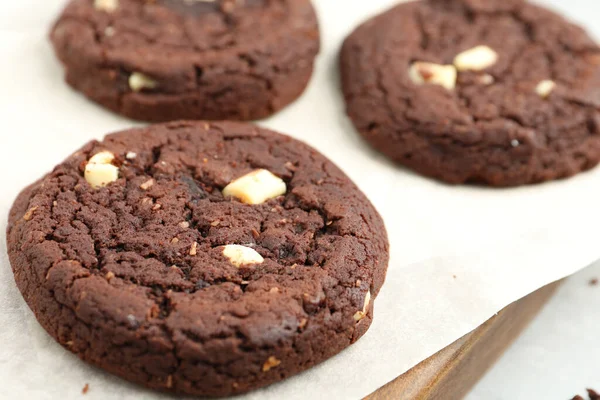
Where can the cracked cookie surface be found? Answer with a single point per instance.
(520, 107)
(164, 60)
(132, 276)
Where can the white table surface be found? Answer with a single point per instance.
(558, 356)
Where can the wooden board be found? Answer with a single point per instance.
(451, 373)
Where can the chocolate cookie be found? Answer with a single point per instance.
(162, 60)
(207, 259)
(496, 92)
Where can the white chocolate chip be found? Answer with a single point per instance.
(544, 88)
(99, 170)
(106, 5)
(130, 155)
(104, 157)
(359, 315)
(29, 214)
(109, 31)
(515, 143)
(476, 59)
(139, 81)
(241, 255)
(424, 72)
(256, 187)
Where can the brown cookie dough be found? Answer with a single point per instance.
(131, 256)
(492, 92)
(163, 60)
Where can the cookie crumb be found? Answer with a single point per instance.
(302, 323)
(271, 362)
(593, 395)
(194, 249)
(86, 388)
(593, 282)
(29, 214)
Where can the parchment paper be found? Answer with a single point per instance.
(459, 254)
